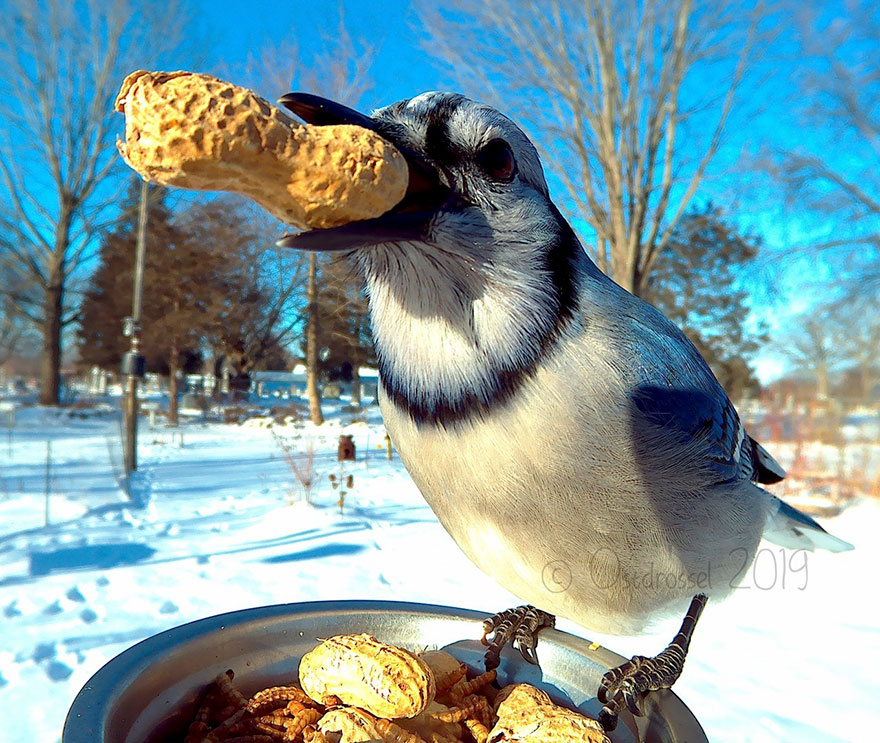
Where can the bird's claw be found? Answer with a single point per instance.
(519, 627)
(631, 681)
(627, 685)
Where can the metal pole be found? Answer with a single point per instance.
(131, 407)
(137, 301)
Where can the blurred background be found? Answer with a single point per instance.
(720, 160)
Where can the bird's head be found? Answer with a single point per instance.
(475, 183)
(473, 274)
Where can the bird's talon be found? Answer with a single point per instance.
(631, 681)
(633, 700)
(529, 655)
(519, 627)
(491, 662)
(607, 719)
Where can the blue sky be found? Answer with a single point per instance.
(402, 68)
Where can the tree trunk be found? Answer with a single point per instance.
(822, 381)
(50, 363)
(312, 344)
(866, 377)
(355, 386)
(624, 275)
(53, 308)
(173, 366)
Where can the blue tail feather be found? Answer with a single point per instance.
(789, 527)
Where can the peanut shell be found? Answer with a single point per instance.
(545, 723)
(518, 696)
(353, 725)
(385, 680)
(196, 131)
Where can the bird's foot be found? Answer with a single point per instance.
(520, 628)
(630, 682)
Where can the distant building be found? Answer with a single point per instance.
(283, 383)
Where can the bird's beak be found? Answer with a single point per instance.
(409, 221)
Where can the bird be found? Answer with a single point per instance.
(569, 437)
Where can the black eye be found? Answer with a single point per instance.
(497, 161)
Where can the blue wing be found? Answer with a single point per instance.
(694, 415)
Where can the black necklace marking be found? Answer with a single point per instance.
(562, 262)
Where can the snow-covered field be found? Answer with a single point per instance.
(220, 523)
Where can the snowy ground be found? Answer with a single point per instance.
(789, 658)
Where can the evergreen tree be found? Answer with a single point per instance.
(179, 295)
(694, 285)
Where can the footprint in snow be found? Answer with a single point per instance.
(74, 594)
(53, 608)
(11, 609)
(58, 671)
(44, 651)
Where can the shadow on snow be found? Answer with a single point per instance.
(331, 549)
(87, 557)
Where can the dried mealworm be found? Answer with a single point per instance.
(393, 733)
(311, 735)
(277, 696)
(459, 691)
(468, 707)
(231, 726)
(299, 722)
(228, 690)
(478, 730)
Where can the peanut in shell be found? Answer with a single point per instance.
(195, 131)
(382, 679)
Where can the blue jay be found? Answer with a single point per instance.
(567, 435)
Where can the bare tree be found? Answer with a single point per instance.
(812, 347)
(312, 322)
(857, 336)
(339, 70)
(62, 64)
(345, 323)
(11, 329)
(630, 99)
(261, 283)
(834, 173)
(15, 328)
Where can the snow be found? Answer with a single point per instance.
(217, 521)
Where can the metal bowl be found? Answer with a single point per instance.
(148, 693)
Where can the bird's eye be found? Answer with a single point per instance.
(497, 161)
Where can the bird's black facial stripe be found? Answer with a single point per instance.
(438, 144)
